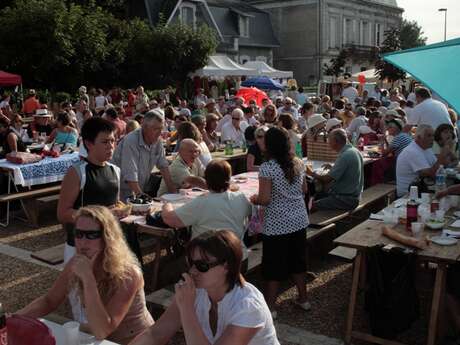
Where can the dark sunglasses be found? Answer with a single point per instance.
(202, 266)
(260, 136)
(89, 234)
(236, 118)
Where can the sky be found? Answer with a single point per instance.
(425, 12)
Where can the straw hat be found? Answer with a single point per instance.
(332, 123)
(315, 120)
(42, 113)
(210, 101)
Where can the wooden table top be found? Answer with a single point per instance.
(369, 234)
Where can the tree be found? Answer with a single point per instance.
(384, 69)
(411, 35)
(335, 66)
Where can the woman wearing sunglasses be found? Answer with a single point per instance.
(213, 303)
(103, 278)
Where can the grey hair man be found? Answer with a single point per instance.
(346, 177)
(418, 160)
(139, 153)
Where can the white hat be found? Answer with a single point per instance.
(332, 123)
(392, 112)
(315, 120)
(365, 130)
(186, 112)
(393, 105)
(210, 101)
(42, 113)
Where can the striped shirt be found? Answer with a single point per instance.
(400, 142)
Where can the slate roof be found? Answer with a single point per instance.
(225, 13)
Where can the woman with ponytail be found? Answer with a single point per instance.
(282, 186)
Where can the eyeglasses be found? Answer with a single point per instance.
(260, 136)
(88, 234)
(236, 118)
(202, 266)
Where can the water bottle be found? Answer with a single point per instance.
(440, 178)
(354, 139)
(298, 150)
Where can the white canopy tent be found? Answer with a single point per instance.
(222, 66)
(267, 71)
(368, 74)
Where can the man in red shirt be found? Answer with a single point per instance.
(31, 104)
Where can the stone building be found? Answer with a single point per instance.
(312, 32)
(245, 32)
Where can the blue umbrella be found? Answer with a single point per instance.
(436, 66)
(262, 83)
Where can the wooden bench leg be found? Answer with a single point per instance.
(438, 292)
(31, 210)
(353, 296)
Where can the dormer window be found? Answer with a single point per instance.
(243, 26)
(187, 14)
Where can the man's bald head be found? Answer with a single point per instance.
(189, 150)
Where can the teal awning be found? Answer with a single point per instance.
(437, 66)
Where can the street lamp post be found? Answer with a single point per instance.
(445, 21)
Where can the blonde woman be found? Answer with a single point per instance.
(103, 280)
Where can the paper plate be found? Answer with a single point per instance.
(444, 241)
(172, 197)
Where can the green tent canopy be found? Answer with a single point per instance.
(437, 66)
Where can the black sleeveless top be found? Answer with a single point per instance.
(4, 142)
(101, 187)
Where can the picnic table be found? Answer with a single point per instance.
(367, 235)
(25, 176)
(59, 334)
(248, 184)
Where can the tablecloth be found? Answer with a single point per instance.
(45, 171)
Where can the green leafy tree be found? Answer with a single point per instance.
(411, 35)
(335, 66)
(384, 69)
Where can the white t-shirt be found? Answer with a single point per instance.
(410, 162)
(229, 132)
(227, 210)
(430, 112)
(205, 157)
(357, 122)
(350, 93)
(243, 307)
(100, 101)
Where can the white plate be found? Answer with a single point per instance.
(444, 241)
(172, 197)
(457, 214)
(36, 146)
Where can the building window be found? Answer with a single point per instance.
(187, 15)
(333, 41)
(378, 34)
(365, 34)
(348, 33)
(243, 26)
(244, 59)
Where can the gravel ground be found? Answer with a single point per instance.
(21, 282)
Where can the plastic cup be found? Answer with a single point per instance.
(417, 229)
(72, 333)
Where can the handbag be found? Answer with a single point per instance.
(256, 221)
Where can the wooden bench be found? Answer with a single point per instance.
(369, 196)
(29, 202)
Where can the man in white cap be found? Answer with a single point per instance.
(332, 124)
(289, 108)
(234, 130)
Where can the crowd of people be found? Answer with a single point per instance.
(124, 138)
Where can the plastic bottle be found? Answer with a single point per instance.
(441, 178)
(412, 214)
(354, 139)
(298, 150)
